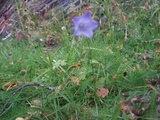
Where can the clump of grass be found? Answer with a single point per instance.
(116, 62)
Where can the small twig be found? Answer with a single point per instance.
(2, 111)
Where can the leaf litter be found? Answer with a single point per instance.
(102, 92)
(137, 105)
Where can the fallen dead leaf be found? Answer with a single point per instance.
(140, 111)
(153, 81)
(59, 88)
(26, 118)
(51, 41)
(115, 77)
(102, 92)
(19, 118)
(157, 51)
(75, 80)
(37, 103)
(23, 71)
(126, 106)
(9, 85)
(77, 65)
(140, 98)
(137, 67)
(60, 72)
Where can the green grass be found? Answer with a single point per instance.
(105, 56)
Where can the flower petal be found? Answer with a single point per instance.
(88, 33)
(93, 24)
(84, 25)
(76, 20)
(87, 15)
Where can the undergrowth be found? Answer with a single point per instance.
(123, 53)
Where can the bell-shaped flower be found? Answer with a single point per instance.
(84, 25)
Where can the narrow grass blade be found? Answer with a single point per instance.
(116, 112)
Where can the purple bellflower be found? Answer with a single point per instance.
(84, 25)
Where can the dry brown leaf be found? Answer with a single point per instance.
(59, 88)
(102, 92)
(115, 77)
(126, 106)
(9, 85)
(153, 81)
(137, 67)
(75, 80)
(26, 118)
(37, 103)
(140, 111)
(23, 71)
(60, 72)
(19, 118)
(77, 65)
(157, 51)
